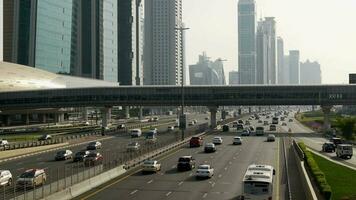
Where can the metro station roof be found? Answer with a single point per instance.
(15, 77)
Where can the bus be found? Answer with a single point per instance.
(258, 182)
(275, 120)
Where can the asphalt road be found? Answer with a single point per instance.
(230, 163)
(111, 148)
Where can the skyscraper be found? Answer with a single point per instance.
(294, 67)
(266, 71)
(130, 47)
(233, 78)
(163, 49)
(39, 40)
(286, 73)
(310, 73)
(206, 72)
(280, 61)
(247, 41)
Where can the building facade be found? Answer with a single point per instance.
(280, 61)
(163, 47)
(206, 72)
(286, 73)
(130, 47)
(247, 41)
(352, 78)
(310, 73)
(294, 67)
(233, 78)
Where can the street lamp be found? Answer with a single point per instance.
(182, 117)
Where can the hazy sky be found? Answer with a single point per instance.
(323, 30)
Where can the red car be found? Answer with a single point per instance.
(93, 158)
(196, 142)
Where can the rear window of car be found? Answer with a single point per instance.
(184, 160)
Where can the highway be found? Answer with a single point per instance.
(112, 147)
(229, 161)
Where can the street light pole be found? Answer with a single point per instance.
(182, 29)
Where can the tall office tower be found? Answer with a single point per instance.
(247, 41)
(233, 78)
(286, 76)
(42, 34)
(310, 73)
(280, 61)
(294, 67)
(97, 40)
(218, 66)
(130, 47)
(163, 49)
(206, 72)
(266, 72)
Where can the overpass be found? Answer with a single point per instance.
(210, 96)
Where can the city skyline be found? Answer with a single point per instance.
(314, 43)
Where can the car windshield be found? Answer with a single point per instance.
(92, 143)
(133, 144)
(149, 162)
(92, 155)
(184, 160)
(61, 152)
(203, 167)
(29, 174)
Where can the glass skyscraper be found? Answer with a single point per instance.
(247, 41)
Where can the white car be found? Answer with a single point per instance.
(133, 146)
(151, 166)
(136, 133)
(205, 171)
(271, 138)
(4, 143)
(237, 141)
(217, 140)
(170, 128)
(5, 178)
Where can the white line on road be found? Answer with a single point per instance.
(196, 152)
(173, 166)
(213, 184)
(133, 192)
(204, 196)
(150, 181)
(180, 183)
(191, 174)
(225, 168)
(220, 176)
(168, 193)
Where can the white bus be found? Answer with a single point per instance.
(258, 182)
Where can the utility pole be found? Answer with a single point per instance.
(182, 117)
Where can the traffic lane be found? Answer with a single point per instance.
(116, 144)
(229, 162)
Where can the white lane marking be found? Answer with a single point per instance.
(180, 183)
(225, 168)
(220, 176)
(204, 196)
(213, 184)
(133, 192)
(196, 152)
(211, 157)
(168, 193)
(234, 158)
(205, 161)
(173, 166)
(191, 174)
(150, 181)
(230, 163)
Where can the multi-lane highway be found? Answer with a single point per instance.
(229, 161)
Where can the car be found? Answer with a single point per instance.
(237, 141)
(328, 147)
(209, 147)
(170, 128)
(272, 127)
(225, 128)
(93, 158)
(5, 178)
(32, 178)
(121, 126)
(155, 119)
(344, 151)
(284, 124)
(185, 163)
(336, 141)
(240, 121)
(64, 155)
(265, 123)
(133, 146)
(271, 138)
(4, 143)
(217, 140)
(151, 166)
(246, 132)
(94, 145)
(252, 128)
(195, 121)
(290, 120)
(247, 122)
(239, 127)
(191, 123)
(45, 137)
(79, 156)
(267, 117)
(196, 142)
(206, 118)
(204, 171)
(136, 133)
(260, 121)
(234, 124)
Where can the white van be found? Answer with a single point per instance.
(258, 182)
(136, 133)
(344, 151)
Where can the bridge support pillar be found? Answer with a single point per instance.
(326, 110)
(223, 114)
(85, 114)
(213, 110)
(239, 111)
(8, 120)
(27, 119)
(249, 109)
(140, 113)
(106, 116)
(127, 112)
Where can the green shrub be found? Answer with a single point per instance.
(318, 175)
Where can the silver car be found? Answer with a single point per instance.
(5, 178)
